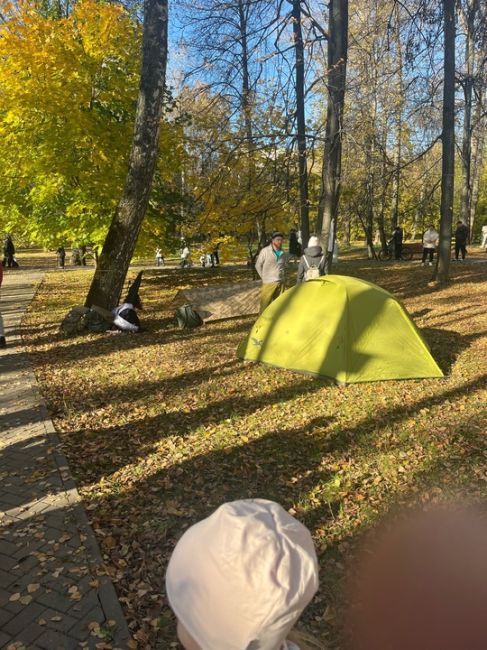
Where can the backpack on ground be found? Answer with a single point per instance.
(97, 321)
(312, 272)
(188, 318)
(75, 321)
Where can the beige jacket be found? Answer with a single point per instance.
(269, 267)
(430, 239)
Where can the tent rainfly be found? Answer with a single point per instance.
(343, 328)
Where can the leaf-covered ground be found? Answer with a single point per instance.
(160, 428)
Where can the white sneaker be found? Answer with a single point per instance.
(430, 264)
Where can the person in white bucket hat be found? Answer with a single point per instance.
(240, 579)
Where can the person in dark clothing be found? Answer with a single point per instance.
(61, 257)
(215, 256)
(8, 252)
(461, 238)
(397, 237)
(312, 263)
(294, 245)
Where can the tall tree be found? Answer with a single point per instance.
(398, 119)
(478, 145)
(301, 121)
(442, 267)
(473, 18)
(330, 183)
(122, 236)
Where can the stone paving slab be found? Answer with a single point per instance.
(53, 593)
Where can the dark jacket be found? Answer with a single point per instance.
(461, 234)
(315, 257)
(397, 236)
(8, 247)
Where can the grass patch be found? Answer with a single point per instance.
(162, 427)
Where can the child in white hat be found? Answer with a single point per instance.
(240, 579)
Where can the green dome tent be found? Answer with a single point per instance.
(342, 328)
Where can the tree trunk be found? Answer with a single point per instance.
(466, 193)
(468, 83)
(396, 180)
(330, 180)
(369, 198)
(382, 227)
(246, 103)
(477, 158)
(301, 122)
(122, 236)
(442, 267)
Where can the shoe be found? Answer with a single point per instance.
(422, 263)
(3, 342)
(430, 263)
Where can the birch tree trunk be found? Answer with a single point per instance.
(442, 267)
(478, 145)
(301, 122)
(470, 17)
(121, 239)
(398, 104)
(330, 181)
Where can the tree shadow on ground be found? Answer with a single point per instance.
(287, 464)
(155, 332)
(115, 446)
(447, 345)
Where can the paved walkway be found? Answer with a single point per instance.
(52, 593)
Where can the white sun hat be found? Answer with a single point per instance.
(240, 579)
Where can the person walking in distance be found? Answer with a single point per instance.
(61, 257)
(461, 238)
(430, 242)
(397, 237)
(8, 252)
(483, 243)
(3, 343)
(271, 265)
(185, 254)
(159, 257)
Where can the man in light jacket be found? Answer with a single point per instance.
(270, 266)
(430, 242)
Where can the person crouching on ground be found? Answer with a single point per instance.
(125, 316)
(430, 242)
(240, 579)
(312, 263)
(271, 267)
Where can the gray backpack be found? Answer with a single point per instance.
(312, 271)
(75, 321)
